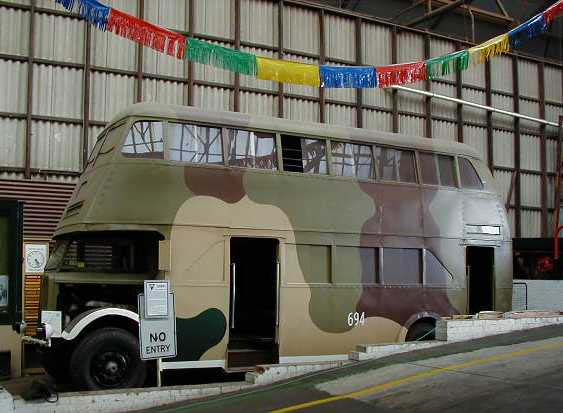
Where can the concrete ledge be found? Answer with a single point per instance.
(6, 401)
(123, 400)
(458, 330)
(270, 373)
(375, 351)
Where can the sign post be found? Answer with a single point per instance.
(157, 322)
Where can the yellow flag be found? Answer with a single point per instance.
(288, 72)
(494, 47)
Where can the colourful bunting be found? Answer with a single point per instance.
(450, 63)
(146, 33)
(348, 76)
(174, 44)
(553, 12)
(494, 47)
(222, 57)
(528, 30)
(400, 74)
(288, 72)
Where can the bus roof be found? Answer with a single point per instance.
(242, 120)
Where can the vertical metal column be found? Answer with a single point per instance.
(140, 51)
(517, 189)
(86, 96)
(281, 7)
(427, 87)
(394, 92)
(236, 92)
(190, 63)
(322, 61)
(543, 149)
(29, 108)
(359, 59)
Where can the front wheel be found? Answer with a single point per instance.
(421, 331)
(107, 359)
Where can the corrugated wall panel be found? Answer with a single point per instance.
(411, 125)
(531, 224)
(163, 91)
(340, 37)
(441, 107)
(503, 148)
(474, 76)
(109, 50)
(551, 154)
(301, 89)
(506, 103)
(552, 77)
(299, 109)
(411, 49)
(471, 114)
(59, 38)
(55, 145)
(530, 190)
(552, 113)
(528, 84)
(253, 82)
(12, 142)
(444, 130)
(13, 84)
(172, 14)
(503, 180)
(14, 31)
(511, 221)
(530, 153)
(501, 74)
(550, 229)
(252, 11)
(301, 29)
(109, 94)
(48, 4)
(44, 204)
(341, 115)
(476, 138)
(214, 17)
(57, 91)
(259, 104)
(377, 120)
(214, 98)
(439, 47)
(164, 65)
(530, 108)
(376, 49)
(551, 192)
(93, 134)
(212, 74)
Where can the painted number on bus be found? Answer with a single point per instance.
(356, 319)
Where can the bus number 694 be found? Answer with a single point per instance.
(356, 319)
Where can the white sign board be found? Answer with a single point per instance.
(156, 298)
(157, 336)
(54, 319)
(35, 258)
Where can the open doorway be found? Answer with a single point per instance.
(480, 270)
(253, 305)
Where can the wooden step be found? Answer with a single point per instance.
(249, 357)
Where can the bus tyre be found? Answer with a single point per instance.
(421, 331)
(107, 359)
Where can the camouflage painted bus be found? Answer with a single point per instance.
(284, 241)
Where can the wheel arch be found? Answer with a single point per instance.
(99, 318)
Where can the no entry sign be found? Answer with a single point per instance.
(157, 336)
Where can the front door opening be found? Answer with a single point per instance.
(253, 310)
(480, 270)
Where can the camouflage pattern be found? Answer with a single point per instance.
(198, 208)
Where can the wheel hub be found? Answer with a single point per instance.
(109, 368)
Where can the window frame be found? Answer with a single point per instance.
(393, 182)
(303, 136)
(13, 210)
(468, 159)
(456, 176)
(373, 169)
(225, 133)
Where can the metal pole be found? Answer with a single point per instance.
(475, 105)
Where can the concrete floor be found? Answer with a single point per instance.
(516, 372)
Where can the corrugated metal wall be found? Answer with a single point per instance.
(62, 81)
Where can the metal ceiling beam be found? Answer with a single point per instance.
(479, 13)
(439, 19)
(438, 12)
(502, 8)
(406, 10)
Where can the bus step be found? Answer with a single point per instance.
(248, 358)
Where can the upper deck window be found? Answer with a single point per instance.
(469, 177)
(194, 143)
(145, 140)
(437, 169)
(252, 149)
(395, 165)
(350, 159)
(303, 155)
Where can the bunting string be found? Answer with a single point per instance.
(175, 44)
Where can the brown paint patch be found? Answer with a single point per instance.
(224, 184)
(397, 211)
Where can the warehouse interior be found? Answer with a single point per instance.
(63, 82)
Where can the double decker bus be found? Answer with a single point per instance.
(284, 242)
